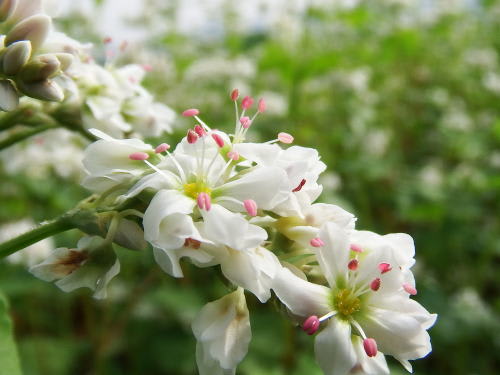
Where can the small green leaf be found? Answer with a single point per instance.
(9, 361)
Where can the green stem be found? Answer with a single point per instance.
(45, 230)
(24, 134)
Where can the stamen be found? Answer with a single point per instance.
(285, 138)
(147, 67)
(311, 325)
(192, 137)
(191, 112)
(384, 267)
(138, 156)
(192, 243)
(375, 284)
(233, 155)
(299, 187)
(353, 265)
(107, 40)
(218, 139)
(317, 242)
(234, 95)
(356, 248)
(370, 346)
(261, 106)
(250, 207)
(247, 102)
(204, 201)
(245, 122)
(200, 131)
(409, 289)
(162, 148)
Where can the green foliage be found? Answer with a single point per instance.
(9, 361)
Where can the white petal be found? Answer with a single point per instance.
(169, 259)
(334, 255)
(333, 348)
(260, 153)
(301, 297)
(368, 365)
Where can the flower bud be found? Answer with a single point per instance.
(16, 56)
(6, 8)
(35, 29)
(44, 90)
(9, 98)
(66, 59)
(40, 68)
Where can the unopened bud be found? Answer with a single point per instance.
(35, 29)
(16, 56)
(6, 8)
(9, 98)
(44, 90)
(66, 59)
(40, 68)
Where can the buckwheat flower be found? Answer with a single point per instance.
(222, 329)
(92, 265)
(367, 302)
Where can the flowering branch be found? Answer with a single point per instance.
(24, 134)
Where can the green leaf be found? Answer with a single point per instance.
(9, 361)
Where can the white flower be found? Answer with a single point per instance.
(92, 265)
(368, 300)
(222, 329)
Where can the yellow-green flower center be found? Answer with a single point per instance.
(193, 189)
(345, 303)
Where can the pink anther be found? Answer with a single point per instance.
(300, 186)
(234, 95)
(233, 155)
(285, 138)
(247, 102)
(138, 156)
(162, 148)
(311, 325)
(370, 346)
(192, 243)
(107, 40)
(245, 122)
(375, 284)
(409, 289)
(192, 137)
(356, 248)
(353, 265)
(204, 201)
(384, 267)
(250, 207)
(317, 242)
(199, 130)
(190, 112)
(218, 139)
(147, 67)
(261, 106)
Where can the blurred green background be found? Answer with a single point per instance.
(402, 100)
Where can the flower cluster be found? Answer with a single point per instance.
(249, 209)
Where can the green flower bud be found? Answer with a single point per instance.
(40, 68)
(9, 98)
(35, 29)
(66, 59)
(6, 8)
(43, 90)
(16, 56)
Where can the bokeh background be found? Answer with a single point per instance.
(402, 99)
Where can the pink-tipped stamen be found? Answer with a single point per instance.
(384, 267)
(261, 106)
(190, 112)
(200, 131)
(245, 122)
(147, 68)
(375, 284)
(250, 207)
(192, 137)
(192, 243)
(204, 202)
(138, 156)
(107, 40)
(299, 186)
(370, 346)
(285, 138)
(247, 102)
(356, 248)
(353, 265)
(162, 148)
(409, 289)
(311, 325)
(233, 155)
(218, 139)
(317, 242)
(235, 95)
